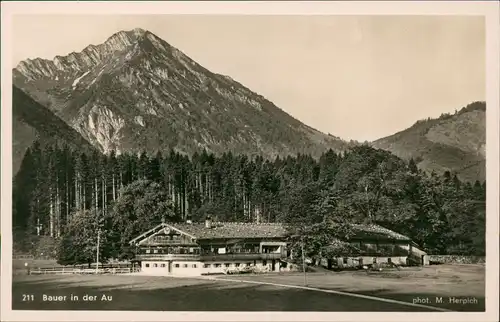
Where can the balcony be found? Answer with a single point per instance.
(242, 256)
(168, 257)
(166, 242)
(211, 257)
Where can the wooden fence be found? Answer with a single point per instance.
(23, 257)
(71, 270)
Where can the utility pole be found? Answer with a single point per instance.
(304, 262)
(295, 237)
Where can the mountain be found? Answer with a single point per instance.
(31, 121)
(455, 143)
(135, 92)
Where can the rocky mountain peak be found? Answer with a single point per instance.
(136, 92)
(89, 57)
(123, 39)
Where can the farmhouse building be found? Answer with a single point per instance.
(374, 244)
(210, 248)
(193, 249)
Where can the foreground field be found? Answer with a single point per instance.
(413, 285)
(131, 292)
(177, 294)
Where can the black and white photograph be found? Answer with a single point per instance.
(166, 161)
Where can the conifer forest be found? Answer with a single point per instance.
(59, 190)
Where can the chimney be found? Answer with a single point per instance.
(208, 222)
(163, 219)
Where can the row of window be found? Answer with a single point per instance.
(389, 260)
(225, 265)
(165, 237)
(197, 251)
(176, 265)
(195, 265)
(173, 251)
(204, 252)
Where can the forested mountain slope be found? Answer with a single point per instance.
(31, 121)
(454, 143)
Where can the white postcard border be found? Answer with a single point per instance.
(489, 9)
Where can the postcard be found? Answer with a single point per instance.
(219, 161)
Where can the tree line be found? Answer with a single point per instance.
(127, 194)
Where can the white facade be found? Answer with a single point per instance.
(197, 268)
(164, 268)
(398, 260)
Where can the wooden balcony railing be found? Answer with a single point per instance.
(243, 256)
(168, 256)
(211, 257)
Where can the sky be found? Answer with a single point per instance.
(356, 77)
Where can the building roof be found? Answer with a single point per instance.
(372, 231)
(219, 230)
(340, 247)
(236, 230)
(233, 230)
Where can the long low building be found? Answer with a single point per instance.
(210, 248)
(193, 249)
(374, 244)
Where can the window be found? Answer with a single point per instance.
(217, 265)
(147, 251)
(345, 260)
(177, 265)
(227, 264)
(249, 264)
(264, 263)
(162, 265)
(147, 264)
(206, 265)
(185, 265)
(389, 260)
(237, 264)
(155, 251)
(194, 265)
(374, 260)
(155, 265)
